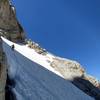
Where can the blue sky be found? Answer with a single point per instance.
(67, 28)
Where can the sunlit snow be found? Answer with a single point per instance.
(34, 77)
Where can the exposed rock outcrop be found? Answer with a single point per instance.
(9, 25)
(36, 47)
(11, 29)
(3, 74)
(68, 68)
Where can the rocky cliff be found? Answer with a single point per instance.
(11, 29)
(9, 25)
(3, 73)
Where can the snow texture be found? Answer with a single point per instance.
(35, 79)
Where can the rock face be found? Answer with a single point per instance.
(9, 25)
(69, 69)
(11, 29)
(3, 73)
(36, 47)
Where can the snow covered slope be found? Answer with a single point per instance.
(32, 55)
(35, 79)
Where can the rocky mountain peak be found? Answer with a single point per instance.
(9, 25)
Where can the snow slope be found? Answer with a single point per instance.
(32, 55)
(35, 79)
